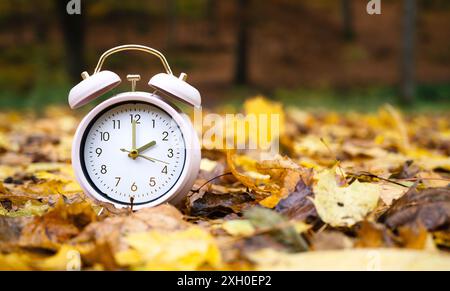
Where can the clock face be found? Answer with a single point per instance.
(133, 152)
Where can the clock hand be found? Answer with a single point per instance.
(133, 135)
(153, 159)
(146, 146)
(133, 153)
(146, 157)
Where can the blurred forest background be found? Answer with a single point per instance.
(327, 53)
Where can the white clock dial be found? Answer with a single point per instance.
(140, 170)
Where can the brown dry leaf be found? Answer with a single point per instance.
(442, 239)
(112, 230)
(414, 237)
(374, 235)
(405, 171)
(298, 205)
(57, 226)
(429, 207)
(212, 205)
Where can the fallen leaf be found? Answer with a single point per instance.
(213, 205)
(352, 259)
(189, 249)
(67, 258)
(390, 192)
(406, 171)
(112, 230)
(274, 223)
(298, 205)
(330, 240)
(343, 206)
(429, 207)
(272, 112)
(57, 226)
(239, 227)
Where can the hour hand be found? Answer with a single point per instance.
(146, 146)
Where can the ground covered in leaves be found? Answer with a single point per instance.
(347, 191)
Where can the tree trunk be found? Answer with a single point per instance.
(241, 65)
(407, 86)
(348, 31)
(40, 24)
(72, 27)
(211, 14)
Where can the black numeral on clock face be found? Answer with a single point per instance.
(116, 124)
(103, 169)
(152, 182)
(170, 153)
(165, 135)
(136, 118)
(104, 136)
(134, 187)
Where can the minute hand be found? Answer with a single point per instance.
(152, 159)
(146, 146)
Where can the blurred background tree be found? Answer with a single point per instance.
(311, 53)
(72, 28)
(408, 45)
(348, 30)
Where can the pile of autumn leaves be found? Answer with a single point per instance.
(347, 191)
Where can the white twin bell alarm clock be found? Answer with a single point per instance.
(136, 148)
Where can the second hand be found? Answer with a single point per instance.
(147, 158)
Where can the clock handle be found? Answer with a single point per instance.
(133, 47)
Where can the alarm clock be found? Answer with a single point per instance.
(135, 149)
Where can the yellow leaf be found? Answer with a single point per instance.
(356, 259)
(31, 208)
(241, 227)
(343, 206)
(263, 108)
(288, 181)
(393, 120)
(14, 262)
(244, 179)
(207, 165)
(67, 258)
(301, 226)
(275, 178)
(190, 249)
